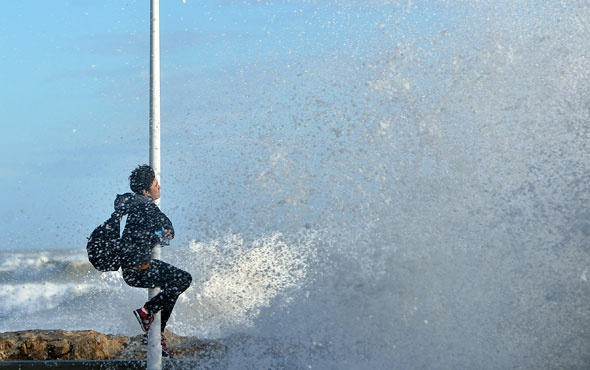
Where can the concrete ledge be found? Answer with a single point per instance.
(167, 364)
(80, 365)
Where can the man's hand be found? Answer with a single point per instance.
(168, 235)
(165, 236)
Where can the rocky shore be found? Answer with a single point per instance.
(92, 345)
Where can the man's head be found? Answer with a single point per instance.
(143, 181)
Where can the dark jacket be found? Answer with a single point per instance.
(144, 219)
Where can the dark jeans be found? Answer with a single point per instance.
(171, 280)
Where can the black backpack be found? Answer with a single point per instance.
(104, 244)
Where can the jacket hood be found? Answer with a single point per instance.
(125, 202)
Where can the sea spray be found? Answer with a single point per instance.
(443, 167)
(234, 279)
(413, 198)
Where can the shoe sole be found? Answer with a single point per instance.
(140, 321)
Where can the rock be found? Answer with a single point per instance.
(59, 345)
(92, 345)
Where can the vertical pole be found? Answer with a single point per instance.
(154, 355)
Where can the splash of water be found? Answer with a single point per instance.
(237, 279)
(443, 167)
(414, 199)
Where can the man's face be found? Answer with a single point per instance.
(154, 191)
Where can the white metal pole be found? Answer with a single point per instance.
(154, 353)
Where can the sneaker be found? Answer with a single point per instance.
(144, 318)
(165, 351)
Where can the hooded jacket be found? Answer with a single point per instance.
(144, 219)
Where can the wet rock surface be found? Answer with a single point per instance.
(91, 345)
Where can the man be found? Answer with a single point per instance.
(146, 227)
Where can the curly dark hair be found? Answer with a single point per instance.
(141, 178)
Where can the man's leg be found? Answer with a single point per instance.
(172, 281)
(176, 283)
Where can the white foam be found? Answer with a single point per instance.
(33, 297)
(257, 275)
(38, 259)
(235, 279)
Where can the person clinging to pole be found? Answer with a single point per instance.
(146, 227)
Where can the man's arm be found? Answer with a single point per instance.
(164, 222)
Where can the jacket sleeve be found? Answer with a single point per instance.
(161, 220)
(166, 223)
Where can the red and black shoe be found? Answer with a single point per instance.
(144, 317)
(166, 352)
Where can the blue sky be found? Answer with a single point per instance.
(75, 98)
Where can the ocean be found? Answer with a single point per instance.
(303, 301)
(416, 200)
